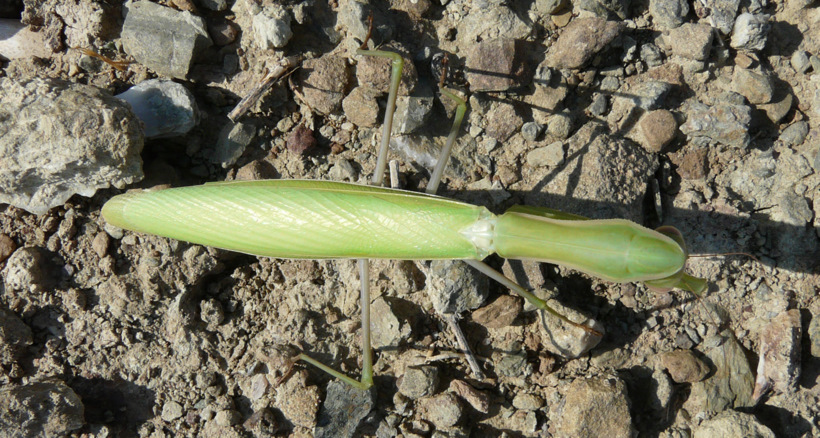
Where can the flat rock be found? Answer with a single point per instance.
(495, 65)
(668, 14)
(593, 407)
(724, 123)
(15, 336)
(165, 108)
(734, 424)
(750, 31)
(691, 41)
(324, 81)
(778, 369)
(361, 107)
(757, 88)
(455, 287)
(344, 408)
(163, 39)
(503, 121)
(62, 139)
(47, 408)
(657, 129)
(581, 40)
(271, 27)
(722, 13)
(500, 313)
(684, 366)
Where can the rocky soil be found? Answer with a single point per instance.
(702, 115)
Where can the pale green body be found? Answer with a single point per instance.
(329, 220)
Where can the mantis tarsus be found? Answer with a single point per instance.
(329, 220)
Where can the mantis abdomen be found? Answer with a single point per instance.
(330, 220)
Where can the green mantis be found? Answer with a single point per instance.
(305, 219)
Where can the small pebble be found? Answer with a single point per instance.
(800, 61)
(531, 130)
(500, 313)
(171, 411)
(478, 399)
(795, 134)
(527, 402)
(7, 246)
(444, 410)
(419, 381)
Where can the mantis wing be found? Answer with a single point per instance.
(304, 219)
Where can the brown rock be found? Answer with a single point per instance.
(495, 65)
(503, 121)
(692, 164)
(581, 40)
(324, 81)
(684, 366)
(658, 128)
(779, 365)
(691, 41)
(500, 313)
(361, 107)
(7, 246)
(374, 72)
(301, 140)
(478, 399)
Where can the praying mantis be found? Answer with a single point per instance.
(307, 219)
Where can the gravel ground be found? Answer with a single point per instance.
(703, 116)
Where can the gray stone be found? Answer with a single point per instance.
(15, 336)
(559, 126)
(795, 134)
(691, 41)
(527, 402)
(48, 408)
(165, 108)
(684, 366)
(344, 408)
(730, 385)
(547, 7)
(213, 5)
(455, 287)
(668, 14)
(492, 19)
(227, 417)
(757, 88)
(722, 13)
(412, 112)
(271, 27)
(814, 335)
(651, 55)
(514, 364)
(387, 328)
(750, 31)
(800, 61)
(568, 340)
(599, 105)
(495, 65)
(324, 81)
(163, 39)
(531, 130)
(443, 410)
(593, 407)
(353, 17)
(581, 40)
(724, 123)
(62, 139)
(733, 424)
(171, 410)
(25, 268)
(502, 121)
(603, 8)
(419, 381)
(232, 141)
(550, 156)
